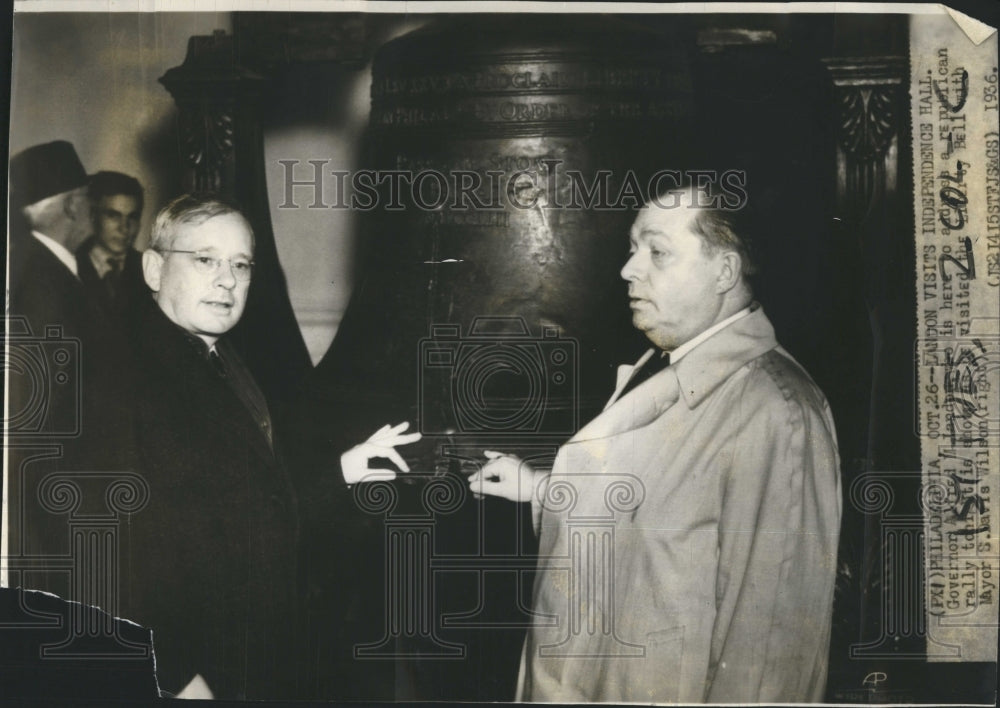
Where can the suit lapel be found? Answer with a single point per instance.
(84, 266)
(45, 291)
(215, 397)
(210, 399)
(245, 421)
(91, 280)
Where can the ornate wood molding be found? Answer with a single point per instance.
(868, 98)
(867, 122)
(207, 137)
(216, 97)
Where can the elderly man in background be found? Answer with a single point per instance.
(50, 218)
(67, 403)
(715, 463)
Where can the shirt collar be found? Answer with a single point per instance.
(679, 352)
(99, 256)
(193, 340)
(58, 250)
(717, 357)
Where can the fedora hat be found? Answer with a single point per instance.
(43, 171)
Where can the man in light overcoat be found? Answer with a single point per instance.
(688, 534)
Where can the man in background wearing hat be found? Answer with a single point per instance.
(50, 215)
(66, 389)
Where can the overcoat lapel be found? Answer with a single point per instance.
(207, 394)
(636, 409)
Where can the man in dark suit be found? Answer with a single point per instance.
(64, 395)
(50, 216)
(109, 266)
(210, 565)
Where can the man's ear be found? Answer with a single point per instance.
(92, 215)
(69, 205)
(730, 271)
(76, 205)
(152, 265)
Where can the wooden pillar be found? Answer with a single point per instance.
(222, 149)
(873, 178)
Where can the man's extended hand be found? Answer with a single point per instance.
(505, 476)
(354, 462)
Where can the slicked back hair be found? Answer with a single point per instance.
(190, 209)
(719, 229)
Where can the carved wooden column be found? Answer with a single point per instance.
(872, 205)
(222, 150)
(881, 587)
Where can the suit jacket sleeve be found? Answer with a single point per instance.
(780, 518)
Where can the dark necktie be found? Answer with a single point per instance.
(113, 277)
(653, 365)
(217, 363)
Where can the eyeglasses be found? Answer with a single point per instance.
(205, 264)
